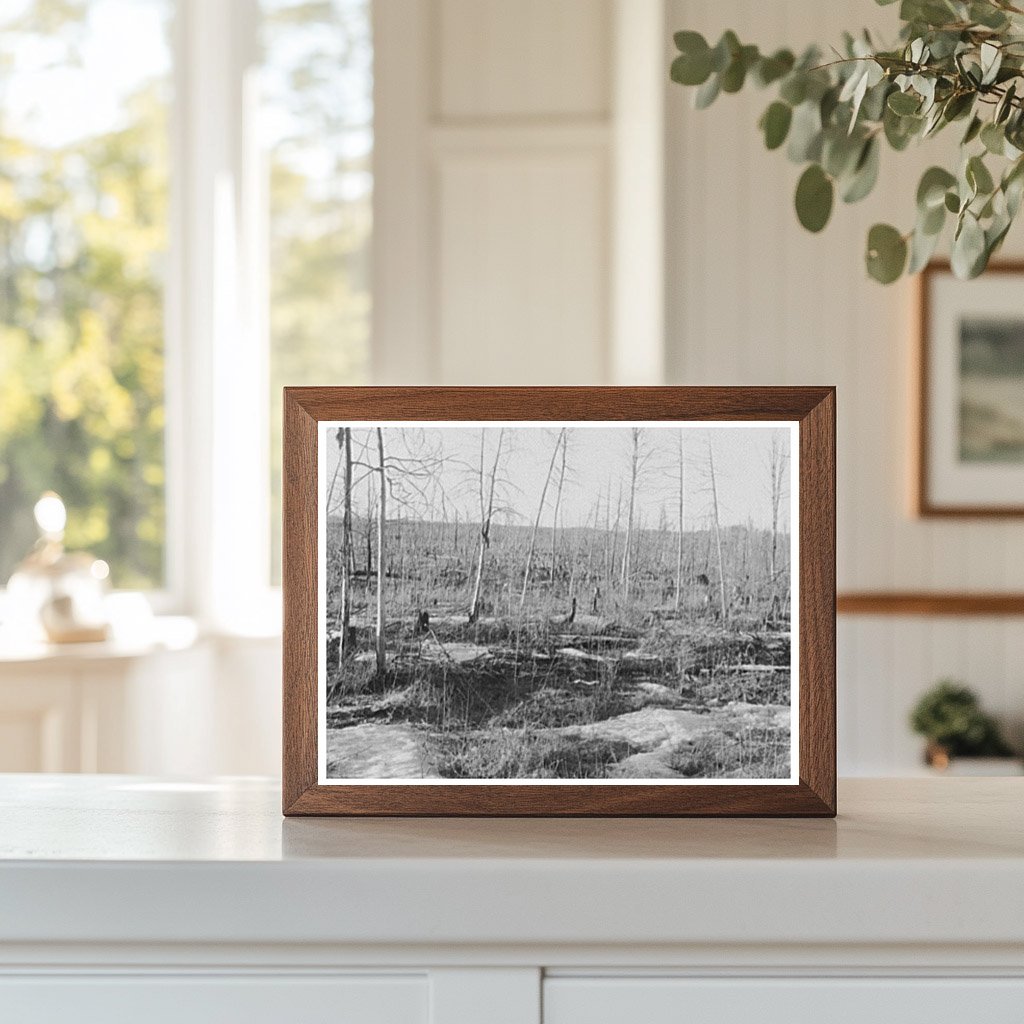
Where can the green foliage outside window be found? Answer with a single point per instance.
(83, 217)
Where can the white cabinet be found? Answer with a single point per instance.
(215, 1000)
(131, 899)
(624, 1000)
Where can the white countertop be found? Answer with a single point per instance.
(122, 859)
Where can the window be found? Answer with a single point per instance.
(317, 87)
(185, 221)
(83, 235)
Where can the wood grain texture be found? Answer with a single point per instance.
(925, 603)
(924, 506)
(813, 408)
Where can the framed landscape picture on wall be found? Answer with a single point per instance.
(970, 450)
(532, 601)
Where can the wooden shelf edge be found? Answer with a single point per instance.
(928, 603)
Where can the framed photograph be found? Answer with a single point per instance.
(559, 601)
(970, 450)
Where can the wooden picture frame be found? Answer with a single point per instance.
(940, 489)
(807, 413)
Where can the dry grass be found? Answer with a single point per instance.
(520, 754)
(746, 752)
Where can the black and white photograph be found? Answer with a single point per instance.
(531, 602)
(971, 392)
(991, 389)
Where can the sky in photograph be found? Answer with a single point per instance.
(446, 461)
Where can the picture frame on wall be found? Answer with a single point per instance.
(970, 420)
(559, 601)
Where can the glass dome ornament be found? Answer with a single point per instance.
(56, 595)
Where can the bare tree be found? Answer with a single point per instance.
(637, 461)
(682, 518)
(778, 459)
(345, 612)
(558, 505)
(487, 484)
(381, 535)
(718, 528)
(559, 441)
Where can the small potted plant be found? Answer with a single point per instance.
(950, 717)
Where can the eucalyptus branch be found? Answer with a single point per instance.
(956, 61)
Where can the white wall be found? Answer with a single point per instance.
(753, 299)
(501, 152)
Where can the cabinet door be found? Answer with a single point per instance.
(782, 1001)
(202, 999)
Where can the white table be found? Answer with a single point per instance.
(125, 898)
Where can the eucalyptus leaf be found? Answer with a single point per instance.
(931, 190)
(775, 124)
(814, 196)
(978, 176)
(707, 93)
(724, 51)
(904, 103)
(991, 60)
(771, 69)
(968, 248)
(922, 248)
(973, 130)
(805, 133)
(1005, 105)
(886, 253)
(865, 173)
(993, 138)
(794, 88)
(987, 15)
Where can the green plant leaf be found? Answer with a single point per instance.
(725, 50)
(805, 133)
(840, 152)
(958, 106)
(771, 69)
(693, 65)
(931, 191)
(973, 130)
(1005, 105)
(865, 173)
(900, 130)
(794, 88)
(904, 103)
(969, 255)
(735, 74)
(775, 124)
(707, 93)
(993, 138)
(886, 254)
(814, 195)
(922, 247)
(985, 14)
(991, 61)
(978, 176)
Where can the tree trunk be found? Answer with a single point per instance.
(486, 515)
(615, 533)
(346, 546)
(634, 463)
(718, 530)
(682, 521)
(536, 521)
(381, 529)
(554, 520)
